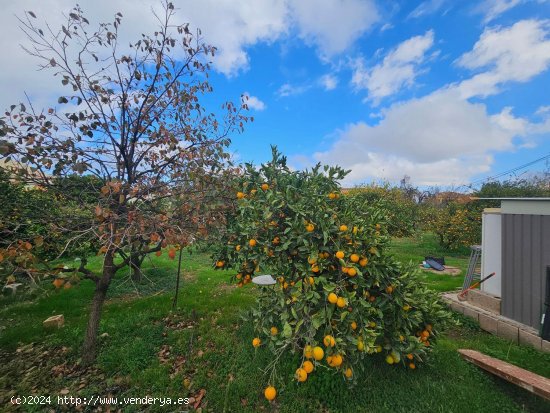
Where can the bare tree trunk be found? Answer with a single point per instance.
(89, 348)
(135, 265)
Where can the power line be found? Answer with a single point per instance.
(501, 174)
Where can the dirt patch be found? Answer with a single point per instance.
(189, 276)
(452, 271)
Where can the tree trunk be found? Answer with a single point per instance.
(89, 348)
(135, 265)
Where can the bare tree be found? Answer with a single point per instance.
(133, 120)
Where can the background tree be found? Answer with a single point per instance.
(134, 121)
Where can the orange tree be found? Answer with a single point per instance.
(456, 225)
(340, 297)
(401, 211)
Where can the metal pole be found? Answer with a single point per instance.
(175, 302)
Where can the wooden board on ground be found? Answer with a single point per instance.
(530, 381)
(454, 271)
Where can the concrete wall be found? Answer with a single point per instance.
(491, 257)
(525, 256)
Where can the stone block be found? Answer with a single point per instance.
(545, 346)
(488, 323)
(530, 339)
(457, 307)
(483, 300)
(468, 312)
(508, 331)
(55, 321)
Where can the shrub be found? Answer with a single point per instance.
(338, 290)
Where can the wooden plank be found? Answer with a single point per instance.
(525, 379)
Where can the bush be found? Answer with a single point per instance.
(338, 290)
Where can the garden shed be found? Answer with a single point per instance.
(516, 245)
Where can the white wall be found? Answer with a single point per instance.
(491, 256)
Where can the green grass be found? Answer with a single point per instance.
(425, 244)
(150, 350)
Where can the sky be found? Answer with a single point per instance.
(446, 92)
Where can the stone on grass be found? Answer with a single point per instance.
(55, 321)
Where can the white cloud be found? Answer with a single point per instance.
(232, 26)
(516, 53)
(333, 25)
(254, 103)
(399, 68)
(291, 90)
(328, 81)
(425, 8)
(437, 139)
(491, 9)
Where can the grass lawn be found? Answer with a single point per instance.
(204, 345)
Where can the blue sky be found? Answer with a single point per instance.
(444, 91)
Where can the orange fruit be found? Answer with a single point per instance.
(315, 269)
(332, 195)
(307, 366)
(335, 360)
(265, 187)
(353, 325)
(67, 285)
(58, 282)
(329, 341)
(172, 253)
(345, 270)
(311, 280)
(252, 242)
(158, 253)
(389, 289)
(220, 264)
(352, 272)
(340, 254)
(332, 298)
(270, 393)
(310, 227)
(240, 195)
(308, 352)
(256, 342)
(238, 248)
(412, 366)
(238, 276)
(410, 356)
(389, 359)
(274, 331)
(354, 257)
(406, 307)
(341, 302)
(363, 262)
(348, 373)
(425, 334)
(300, 375)
(343, 228)
(318, 353)
(360, 345)
(311, 260)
